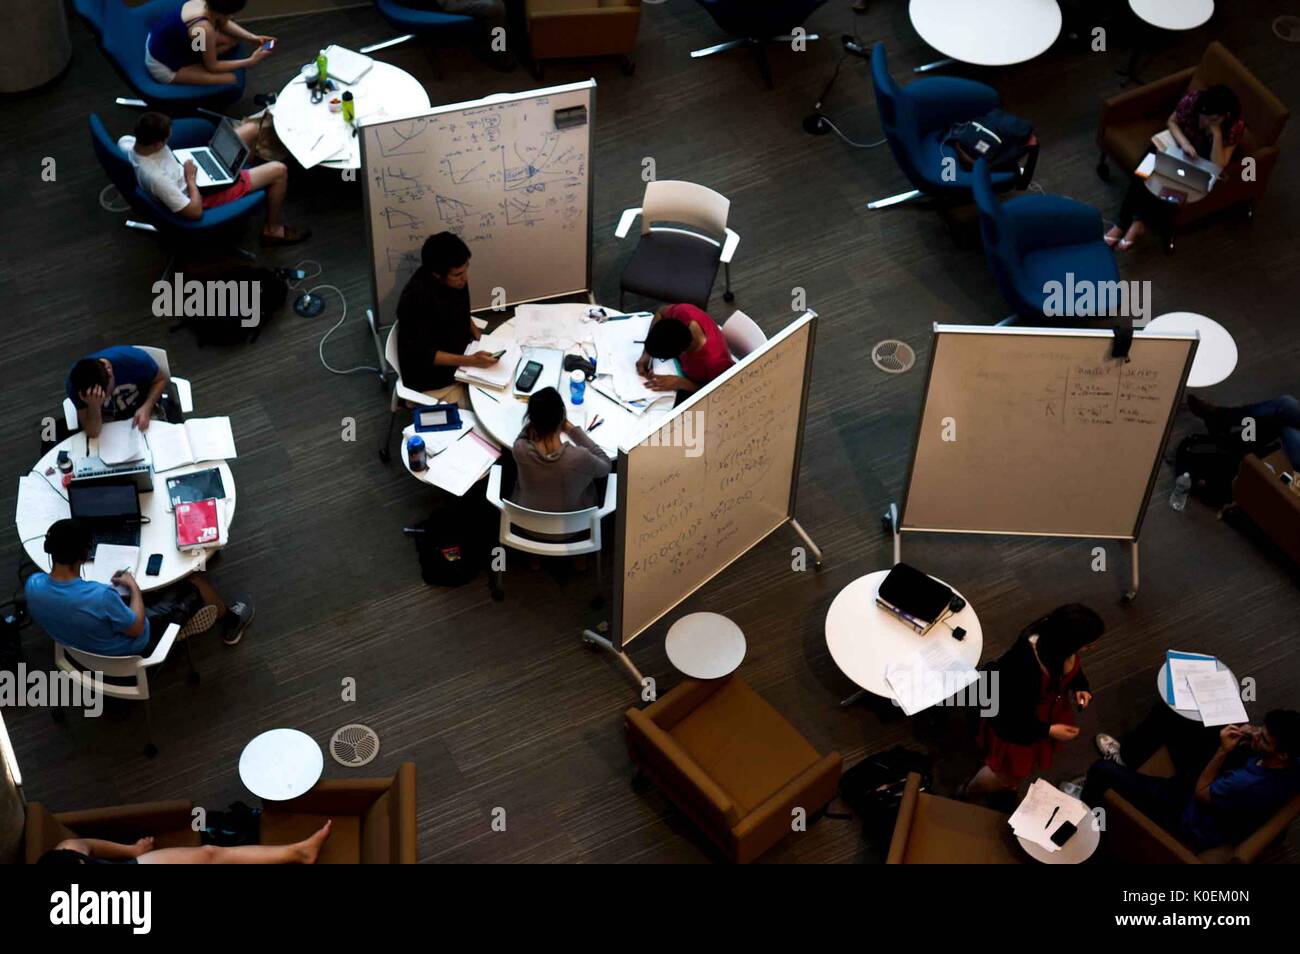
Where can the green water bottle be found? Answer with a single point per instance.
(349, 109)
(322, 68)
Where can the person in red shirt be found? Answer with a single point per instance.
(688, 334)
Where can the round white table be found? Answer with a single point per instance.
(384, 92)
(986, 32)
(281, 764)
(1216, 352)
(864, 639)
(705, 646)
(1081, 846)
(1191, 715)
(157, 534)
(1173, 14)
(501, 414)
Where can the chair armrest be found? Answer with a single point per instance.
(1126, 824)
(70, 414)
(345, 796)
(1159, 97)
(494, 486)
(947, 100)
(1267, 833)
(729, 246)
(812, 789)
(185, 394)
(129, 821)
(1048, 221)
(610, 503)
(625, 222)
(164, 645)
(680, 701)
(903, 824)
(678, 771)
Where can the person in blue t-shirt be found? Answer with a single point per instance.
(1226, 784)
(113, 385)
(96, 618)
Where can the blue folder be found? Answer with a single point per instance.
(1169, 670)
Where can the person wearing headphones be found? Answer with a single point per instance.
(100, 619)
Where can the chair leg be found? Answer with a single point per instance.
(622, 300)
(894, 199)
(764, 66)
(1008, 321)
(150, 750)
(728, 295)
(385, 44)
(494, 586)
(1103, 169)
(718, 48)
(193, 677)
(598, 601)
(385, 453)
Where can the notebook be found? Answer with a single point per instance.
(198, 439)
(119, 442)
(500, 375)
(200, 485)
(346, 65)
(200, 525)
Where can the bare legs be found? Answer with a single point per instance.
(197, 75)
(987, 782)
(302, 852)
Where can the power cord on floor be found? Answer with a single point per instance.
(817, 123)
(309, 306)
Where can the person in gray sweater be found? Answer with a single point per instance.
(553, 475)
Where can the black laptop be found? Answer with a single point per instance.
(111, 507)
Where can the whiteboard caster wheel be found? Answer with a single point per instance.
(729, 297)
(1128, 598)
(385, 455)
(887, 522)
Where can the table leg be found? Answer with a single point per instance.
(937, 64)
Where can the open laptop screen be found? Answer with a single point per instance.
(228, 147)
(100, 500)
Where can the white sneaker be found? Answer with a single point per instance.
(1108, 746)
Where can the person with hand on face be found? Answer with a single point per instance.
(113, 385)
(435, 320)
(185, 44)
(688, 334)
(1040, 683)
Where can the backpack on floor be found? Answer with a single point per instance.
(1212, 462)
(445, 544)
(237, 825)
(874, 787)
(231, 329)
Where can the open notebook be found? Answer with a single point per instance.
(198, 439)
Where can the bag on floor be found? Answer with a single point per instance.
(874, 787)
(997, 137)
(1212, 462)
(237, 825)
(446, 547)
(234, 328)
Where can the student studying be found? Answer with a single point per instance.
(688, 334)
(118, 383)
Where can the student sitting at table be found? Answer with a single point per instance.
(186, 43)
(1040, 681)
(96, 618)
(115, 384)
(1207, 124)
(161, 175)
(1226, 782)
(96, 851)
(1279, 416)
(688, 334)
(434, 318)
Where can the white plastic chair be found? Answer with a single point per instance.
(400, 393)
(183, 389)
(742, 335)
(567, 524)
(136, 668)
(686, 203)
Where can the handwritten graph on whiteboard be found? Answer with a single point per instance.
(500, 175)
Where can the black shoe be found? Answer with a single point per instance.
(1215, 417)
(238, 615)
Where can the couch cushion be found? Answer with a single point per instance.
(1159, 765)
(743, 744)
(1128, 142)
(950, 832)
(343, 847)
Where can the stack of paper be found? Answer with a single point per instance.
(551, 326)
(110, 559)
(619, 345)
(1218, 697)
(1045, 809)
(198, 439)
(499, 375)
(39, 505)
(120, 442)
(1178, 666)
(462, 463)
(928, 676)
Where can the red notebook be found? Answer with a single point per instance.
(198, 524)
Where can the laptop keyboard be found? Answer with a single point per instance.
(209, 165)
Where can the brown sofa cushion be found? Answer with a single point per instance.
(343, 847)
(743, 744)
(944, 831)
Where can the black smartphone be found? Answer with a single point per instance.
(154, 566)
(1063, 834)
(528, 377)
(498, 354)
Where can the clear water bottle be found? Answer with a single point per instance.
(1182, 486)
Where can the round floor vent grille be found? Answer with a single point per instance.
(111, 200)
(893, 357)
(354, 745)
(1287, 28)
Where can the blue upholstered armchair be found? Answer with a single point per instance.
(1034, 240)
(122, 31)
(916, 117)
(757, 24)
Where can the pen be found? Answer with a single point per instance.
(1051, 817)
(486, 395)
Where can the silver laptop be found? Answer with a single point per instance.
(220, 160)
(1191, 175)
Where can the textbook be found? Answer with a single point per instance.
(200, 525)
(198, 439)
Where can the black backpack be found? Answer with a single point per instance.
(874, 787)
(1212, 462)
(997, 137)
(214, 330)
(448, 551)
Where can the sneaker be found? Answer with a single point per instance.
(1073, 789)
(239, 614)
(1214, 417)
(1108, 746)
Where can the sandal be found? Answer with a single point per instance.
(291, 236)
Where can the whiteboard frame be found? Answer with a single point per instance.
(493, 100)
(618, 637)
(1099, 333)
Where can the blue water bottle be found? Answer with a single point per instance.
(416, 454)
(577, 386)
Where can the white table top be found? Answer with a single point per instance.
(501, 414)
(1077, 850)
(384, 92)
(157, 535)
(705, 645)
(864, 640)
(1173, 14)
(987, 32)
(1216, 353)
(1192, 715)
(281, 764)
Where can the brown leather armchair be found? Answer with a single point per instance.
(932, 830)
(731, 763)
(1134, 839)
(168, 822)
(569, 29)
(1130, 119)
(1259, 493)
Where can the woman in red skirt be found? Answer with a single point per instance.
(1039, 683)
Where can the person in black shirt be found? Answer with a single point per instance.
(436, 327)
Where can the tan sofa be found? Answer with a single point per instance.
(731, 763)
(932, 830)
(570, 29)
(1271, 505)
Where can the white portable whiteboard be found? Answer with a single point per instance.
(1042, 432)
(712, 481)
(498, 173)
